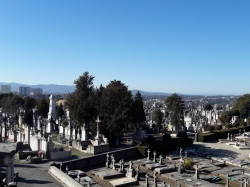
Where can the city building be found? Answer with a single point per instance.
(23, 91)
(5, 89)
(36, 91)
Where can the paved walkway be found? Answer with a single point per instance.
(35, 175)
(222, 149)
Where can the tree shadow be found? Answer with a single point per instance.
(32, 181)
(24, 166)
(205, 149)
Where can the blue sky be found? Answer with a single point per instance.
(189, 47)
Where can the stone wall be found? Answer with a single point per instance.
(60, 155)
(99, 159)
(63, 177)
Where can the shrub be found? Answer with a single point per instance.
(150, 140)
(228, 125)
(188, 163)
(218, 127)
(166, 137)
(210, 128)
(182, 134)
(206, 137)
(243, 123)
(236, 124)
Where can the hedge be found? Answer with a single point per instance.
(162, 147)
(206, 137)
(220, 134)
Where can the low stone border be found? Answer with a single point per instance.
(63, 177)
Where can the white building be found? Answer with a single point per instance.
(36, 91)
(5, 89)
(23, 91)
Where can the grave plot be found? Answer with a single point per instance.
(81, 178)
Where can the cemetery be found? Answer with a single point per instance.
(146, 158)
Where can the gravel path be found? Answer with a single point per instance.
(222, 149)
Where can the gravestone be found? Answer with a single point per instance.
(154, 156)
(155, 179)
(137, 169)
(196, 174)
(107, 160)
(130, 170)
(160, 161)
(148, 154)
(147, 182)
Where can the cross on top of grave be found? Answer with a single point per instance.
(185, 154)
(130, 164)
(154, 156)
(160, 161)
(148, 153)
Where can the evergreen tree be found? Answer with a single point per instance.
(81, 102)
(138, 114)
(43, 107)
(176, 106)
(115, 108)
(59, 111)
(157, 117)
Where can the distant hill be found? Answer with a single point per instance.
(63, 89)
(143, 93)
(47, 88)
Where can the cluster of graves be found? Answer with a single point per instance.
(166, 171)
(195, 119)
(39, 136)
(238, 141)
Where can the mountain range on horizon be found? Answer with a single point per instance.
(64, 89)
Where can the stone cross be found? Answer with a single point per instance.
(180, 168)
(98, 128)
(112, 158)
(180, 152)
(148, 154)
(78, 177)
(155, 179)
(67, 170)
(113, 164)
(160, 157)
(196, 174)
(228, 136)
(122, 166)
(107, 160)
(61, 166)
(147, 176)
(137, 169)
(227, 180)
(130, 165)
(231, 137)
(154, 156)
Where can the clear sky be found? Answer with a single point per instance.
(188, 46)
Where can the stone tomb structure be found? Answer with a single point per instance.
(7, 152)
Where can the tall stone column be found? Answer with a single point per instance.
(52, 113)
(84, 134)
